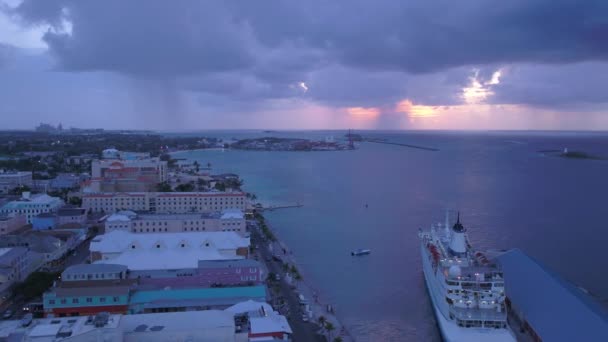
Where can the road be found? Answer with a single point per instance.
(302, 331)
(78, 256)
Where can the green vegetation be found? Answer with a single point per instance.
(187, 187)
(163, 187)
(578, 155)
(19, 190)
(35, 284)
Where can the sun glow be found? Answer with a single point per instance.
(370, 112)
(478, 90)
(415, 111)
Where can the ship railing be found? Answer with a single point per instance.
(477, 314)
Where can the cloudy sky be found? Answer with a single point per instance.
(383, 64)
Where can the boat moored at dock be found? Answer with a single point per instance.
(465, 286)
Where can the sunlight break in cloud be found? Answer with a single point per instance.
(363, 112)
(303, 86)
(415, 111)
(478, 91)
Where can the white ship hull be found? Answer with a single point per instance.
(450, 331)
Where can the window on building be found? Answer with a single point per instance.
(89, 300)
(64, 301)
(115, 299)
(75, 300)
(51, 301)
(102, 299)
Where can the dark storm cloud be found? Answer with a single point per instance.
(349, 52)
(554, 86)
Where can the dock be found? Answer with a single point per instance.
(275, 207)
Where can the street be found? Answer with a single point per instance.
(302, 331)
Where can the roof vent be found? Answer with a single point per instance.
(101, 319)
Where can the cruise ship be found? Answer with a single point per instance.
(465, 286)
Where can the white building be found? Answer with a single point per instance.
(167, 250)
(32, 205)
(228, 221)
(12, 180)
(164, 202)
(202, 326)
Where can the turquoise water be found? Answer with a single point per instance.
(509, 195)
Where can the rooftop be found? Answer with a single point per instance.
(244, 292)
(556, 309)
(94, 268)
(269, 324)
(71, 211)
(119, 241)
(232, 214)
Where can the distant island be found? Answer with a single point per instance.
(288, 144)
(565, 153)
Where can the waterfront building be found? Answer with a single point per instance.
(81, 298)
(265, 324)
(11, 222)
(88, 289)
(193, 299)
(12, 180)
(165, 202)
(232, 220)
(546, 307)
(32, 205)
(157, 251)
(14, 266)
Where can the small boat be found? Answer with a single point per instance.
(360, 251)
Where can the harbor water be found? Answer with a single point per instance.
(378, 196)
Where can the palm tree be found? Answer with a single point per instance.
(329, 327)
(322, 320)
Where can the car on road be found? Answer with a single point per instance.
(305, 317)
(7, 314)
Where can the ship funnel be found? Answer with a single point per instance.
(458, 243)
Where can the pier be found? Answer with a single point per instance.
(275, 207)
(402, 144)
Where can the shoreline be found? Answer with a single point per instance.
(303, 286)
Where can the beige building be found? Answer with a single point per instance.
(226, 221)
(107, 168)
(165, 202)
(11, 222)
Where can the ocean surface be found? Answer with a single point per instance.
(509, 194)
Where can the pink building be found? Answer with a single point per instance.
(208, 274)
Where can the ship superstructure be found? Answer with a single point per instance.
(465, 286)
